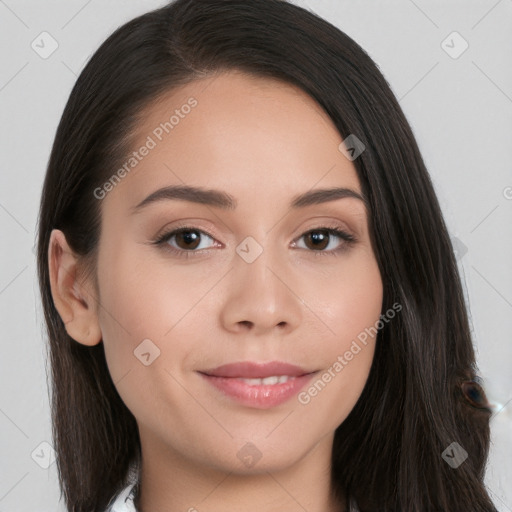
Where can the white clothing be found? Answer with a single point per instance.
(123, 502)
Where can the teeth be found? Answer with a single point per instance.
(278, 379)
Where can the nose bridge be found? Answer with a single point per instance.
(258, 276)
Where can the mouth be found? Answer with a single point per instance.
(267, 381)
(258, 385)
(255, 370)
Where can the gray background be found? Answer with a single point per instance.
(460, 108)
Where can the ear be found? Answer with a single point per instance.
(75, 300)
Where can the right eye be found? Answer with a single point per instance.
(183, 240)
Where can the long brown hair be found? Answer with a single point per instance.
(387, 454)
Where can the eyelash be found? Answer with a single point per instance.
(162, 240)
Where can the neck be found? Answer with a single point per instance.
(170, 482)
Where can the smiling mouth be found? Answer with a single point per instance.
(267, 381)
(257, 370)
(258, 385)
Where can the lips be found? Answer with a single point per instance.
(253, 370)
(258, 385)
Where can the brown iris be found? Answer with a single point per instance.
(319, 237)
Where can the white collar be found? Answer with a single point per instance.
(124, 500)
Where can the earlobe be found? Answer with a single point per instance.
(73, 298)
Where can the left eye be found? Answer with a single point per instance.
(319, 239)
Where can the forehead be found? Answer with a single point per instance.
(244, 134)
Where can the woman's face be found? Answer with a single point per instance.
(256, 279)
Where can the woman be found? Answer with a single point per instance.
(251, 297)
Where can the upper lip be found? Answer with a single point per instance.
(253, 370)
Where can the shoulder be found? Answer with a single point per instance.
(123, 502)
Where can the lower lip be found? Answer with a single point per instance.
(260, 397)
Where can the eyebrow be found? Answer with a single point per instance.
(220, 199)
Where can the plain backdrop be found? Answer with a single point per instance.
(448, 62)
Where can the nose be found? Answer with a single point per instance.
(263, 297)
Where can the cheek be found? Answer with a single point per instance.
(351, 298)
(353, 311)
(333, 393)
(144, 296)
(351, 307)
(130, 309)
(141, 307)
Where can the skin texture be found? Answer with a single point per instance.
(263, 142)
